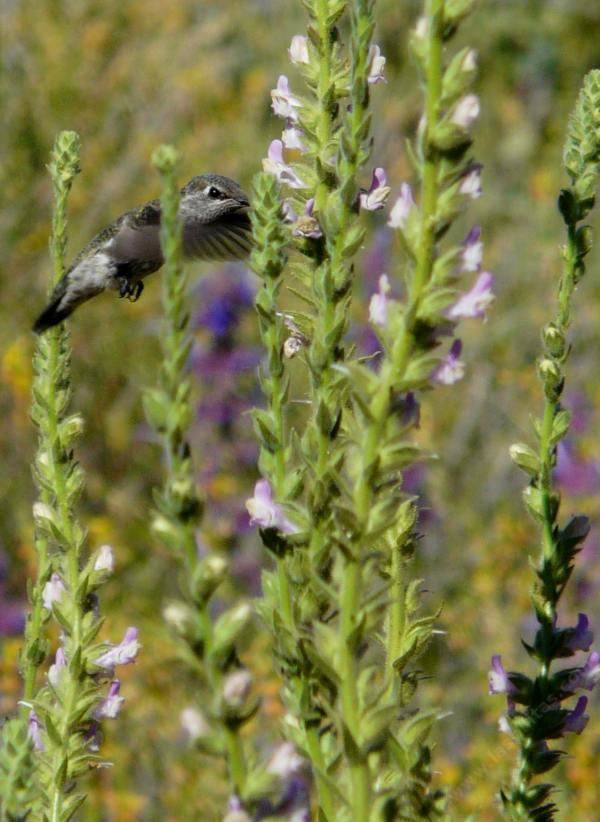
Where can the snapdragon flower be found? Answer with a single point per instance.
(276, 165)
(375, 197)
(265, 512)
(284, 103)
(473, 303)
(402, 208)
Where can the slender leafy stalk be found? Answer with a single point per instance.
(208, 646)
(540, 715)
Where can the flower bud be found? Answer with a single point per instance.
(554, 340)
(194, 723)
(181, 619)
(236, 688)
(208, 575)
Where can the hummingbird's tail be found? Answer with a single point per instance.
(52, 315)
(65, 298)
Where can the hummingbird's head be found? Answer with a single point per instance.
(210, 197)
(216, 219)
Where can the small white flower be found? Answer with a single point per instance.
(376, 65)
(451, 369)
(471, 182)
(378, 306)
(466, 111)
(236, 688)
(286, 761)
(473, 303)
(298, 49)
(194, 723)
(265, 512)
(469, 62)
(284, 103)
(276, 165)
(105, 560)
(53, 591)
(402, 208)
(291, 139)
(376, 196)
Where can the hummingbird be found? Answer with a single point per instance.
(214, 212)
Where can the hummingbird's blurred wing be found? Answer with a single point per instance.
(227, 238)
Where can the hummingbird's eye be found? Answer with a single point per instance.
(214, 193)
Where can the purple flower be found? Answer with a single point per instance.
(223, 298)
(298, 49)
(53, 591)
(378, 306)
(276, 165)
(121, 654)
(498, 680)
(579, 638)
(34, 731)
(265, 512)
(306, 225)
(471, 181)
(588, 676)
(291, 138)
(55, 670)
(473, 303)
(285, 762)
(466, 111)
(375, 197)
(402, 208)
(407, 407)
(284, 103)
(110, 706)
(472, 251)
(576, 720)
(376, 65)
(451, 369)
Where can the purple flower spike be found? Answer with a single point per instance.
(451, 369)
(110, 706)
(474, 303)
(265, 512)
(472, 251)
(34, 731)
(284, 103)
(375, 197)
(121, 654)
(402, 208)
(576, 720)
(376, 65)
(471, 182)
(276, 165)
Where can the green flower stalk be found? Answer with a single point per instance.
(64, 710)
(338, 519)
(208, 647)
(535, 710)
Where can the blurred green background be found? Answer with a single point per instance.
(129, 74)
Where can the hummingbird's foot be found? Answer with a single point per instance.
(135, 292)
(132, 292)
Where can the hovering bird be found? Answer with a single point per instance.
(216, 226)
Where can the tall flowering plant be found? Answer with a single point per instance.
(40, 773)
(343, 608)
(540, 708)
